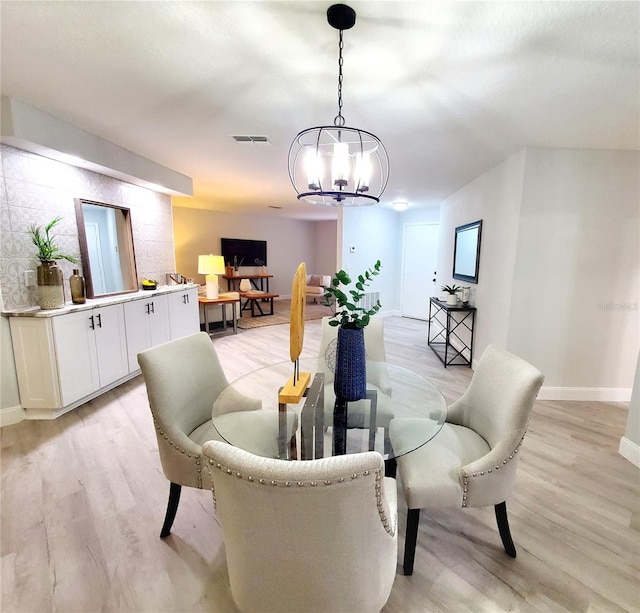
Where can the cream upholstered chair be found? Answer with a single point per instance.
(472, 461)
(377, 378)
(316, 285)
(317, 536)
(183, 379)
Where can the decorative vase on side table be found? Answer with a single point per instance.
(245, 285)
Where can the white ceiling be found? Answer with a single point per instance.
(451, 88)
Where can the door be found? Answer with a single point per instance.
(419, 259)
(184, 318)
(111, 343)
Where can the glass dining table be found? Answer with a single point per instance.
(316, 427)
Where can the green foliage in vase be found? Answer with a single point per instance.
(451, 289)
(48, 251)
(349, 314)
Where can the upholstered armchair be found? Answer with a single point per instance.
(316, 284)
(184, 379)
(377, 378)
(317, 536)
(472, 461)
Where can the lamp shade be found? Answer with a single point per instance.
(210, 265)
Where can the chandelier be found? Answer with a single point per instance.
(337, 165)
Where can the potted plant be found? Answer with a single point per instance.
(451, 290)
(50, 282)
(351, 319)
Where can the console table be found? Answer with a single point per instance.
(257, 280)
(450, 332)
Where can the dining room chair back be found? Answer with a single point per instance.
(317, 536)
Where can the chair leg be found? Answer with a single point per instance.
(172, 507)
(390, 468)
(503, 528)
(410, 539)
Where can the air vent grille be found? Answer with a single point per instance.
(250, 139)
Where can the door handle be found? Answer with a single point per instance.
(148, 309)
(99, 320)
(91, 325)
(152, 309)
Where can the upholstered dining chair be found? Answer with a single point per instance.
(317, 536)
(377, 377)
(472, 461)
(184, 378)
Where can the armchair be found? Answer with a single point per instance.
(184, 378)
(472, 461)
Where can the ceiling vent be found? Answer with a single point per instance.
(251, 139)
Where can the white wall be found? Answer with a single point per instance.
(574, 309)
(495, 198)
(373, 232)
(326, 248)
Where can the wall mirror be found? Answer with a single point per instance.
(106, 248)
(466, 252)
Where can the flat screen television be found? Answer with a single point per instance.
(246, 252)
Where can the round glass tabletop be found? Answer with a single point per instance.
(248, 414)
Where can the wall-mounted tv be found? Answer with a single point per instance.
(246, 252)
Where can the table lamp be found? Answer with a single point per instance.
(211, 266)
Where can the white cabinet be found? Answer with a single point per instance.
(60, 360)
(69, 356)
(184, 318)
(91, 351)
(147, 324)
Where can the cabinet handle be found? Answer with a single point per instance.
(152, 309)
(99, 320)
(185, 299)
(91, 325)
(148, 309)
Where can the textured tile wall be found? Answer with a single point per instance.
(35, 189)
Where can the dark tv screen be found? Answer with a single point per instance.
(247, 252)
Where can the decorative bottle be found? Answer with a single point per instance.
(76, 282)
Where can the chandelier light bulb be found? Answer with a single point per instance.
(340, 165)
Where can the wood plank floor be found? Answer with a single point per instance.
(83, 499)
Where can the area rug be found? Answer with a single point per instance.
(281, 314)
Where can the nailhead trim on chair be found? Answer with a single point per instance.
(378, 487)
(195, 457)
(465, 477)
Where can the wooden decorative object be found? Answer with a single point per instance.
(297, 384)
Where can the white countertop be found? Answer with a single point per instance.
(92, 303)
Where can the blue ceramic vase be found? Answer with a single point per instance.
(350, 377)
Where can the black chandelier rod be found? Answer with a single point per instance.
(338, 120)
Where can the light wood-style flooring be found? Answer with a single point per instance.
(83, 499)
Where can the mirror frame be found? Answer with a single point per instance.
(125, 244)
(460, 235)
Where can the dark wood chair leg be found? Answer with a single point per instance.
(390, 468)
(410, 539)
(172, 507)
(503, 528)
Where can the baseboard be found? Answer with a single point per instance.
(629, 450)
(12, 415)
(595, 394)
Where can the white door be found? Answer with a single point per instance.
(419, 259)
(184, 317)
(111, 343)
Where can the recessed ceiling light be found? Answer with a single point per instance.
(400, 205)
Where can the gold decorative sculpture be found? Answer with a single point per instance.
(297, 384)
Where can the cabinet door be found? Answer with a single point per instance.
(146, 324)
(183, 313)
(136, 323)
(159, 320)
(111, 343)
(77, 356)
